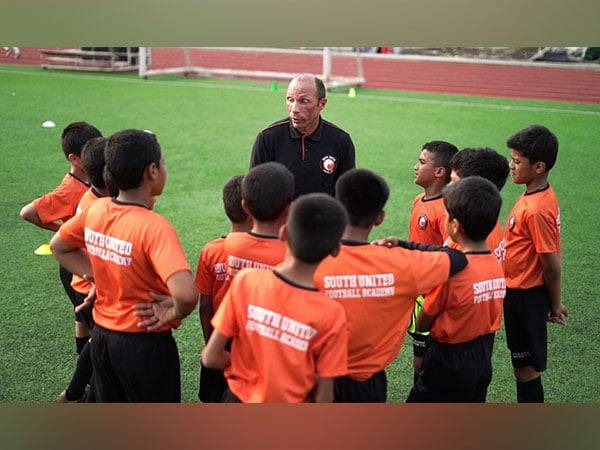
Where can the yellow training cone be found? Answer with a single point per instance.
(43, 250)
(352, 93)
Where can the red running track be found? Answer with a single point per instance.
(563, 83)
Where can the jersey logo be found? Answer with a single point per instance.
(423, 221)
(328, 164)
(511, 222)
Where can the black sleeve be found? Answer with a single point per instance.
(349, 157)
(458, 260)
(260, 153)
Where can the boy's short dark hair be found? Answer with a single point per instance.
(442, 152)
(75, 135)
(537, 143)
(232, 199)
(482, 162)
(267, 190)
(92, 157)
(475, 202)
(127, 155)
(315, 226)
(364, 194)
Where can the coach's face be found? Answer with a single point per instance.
(303, 105)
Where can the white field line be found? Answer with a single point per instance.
(370, 97)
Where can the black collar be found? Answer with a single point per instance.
(542, 189)
(263, 236)
(80, 180)
(293, 283)
(353, 243)
(316, 136)
(478, 252)
(435, 197)
(119, 202)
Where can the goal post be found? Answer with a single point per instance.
(337, 68)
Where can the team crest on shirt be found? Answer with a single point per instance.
(328, 164)
(422, 221)
(511, 222)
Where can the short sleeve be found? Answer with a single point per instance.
(260, 153)
(429, 269)
(164, 250)
(332, 350)
(205, 276)
(435, 301)
(60, 204)
(224, 320)
(72, 232)
(348, 162)
(544, 233)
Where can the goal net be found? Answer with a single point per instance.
(341, 67)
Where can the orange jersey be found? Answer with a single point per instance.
(469, 305)
(427, 224)
(212, 270)
(533, 227)
(61, 204)
(283, 336)
(377, 287)
(251, 250)
(132, 250)
(494, 242)
(79, 284)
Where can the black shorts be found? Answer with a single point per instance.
(525, 321)
(212, 385)
(373, 390)
(76, 298)
(455, 372)
(230, 397)
(135, 367)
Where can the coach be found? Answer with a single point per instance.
(316, 151)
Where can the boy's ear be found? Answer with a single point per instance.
(336, 251)
(440, 172)
(283, 233)
(285, 213)
(152, 170)
(380, 219)
(453, 227)
(245, 207)
(539, 167)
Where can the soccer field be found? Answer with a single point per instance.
(206, 129)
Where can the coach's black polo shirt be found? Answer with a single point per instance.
(316, 161)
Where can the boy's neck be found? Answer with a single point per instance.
(139, 196)
(78, 172)
(539, 182)
(266, 228)
(297, 271)
(467, 245)
(354, 233)
(434, 190)
(239, 227)
(102, 192)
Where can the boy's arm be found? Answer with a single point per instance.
(214, 354)
(424, 321)
(324, 390)
(73, 259)
(206, 314)
(29, 213)
(551, 272)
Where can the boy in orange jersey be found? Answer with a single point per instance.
(289, 341)
(131, 252)
(427, 218)
(533, 259)
(464, 313)
(51, 210)
(92, 158)
(376, 286)
(210, 280)
(491, 165)
(267, 191)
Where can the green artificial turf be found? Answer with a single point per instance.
(206, 129)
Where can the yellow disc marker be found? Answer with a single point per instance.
(43, 250)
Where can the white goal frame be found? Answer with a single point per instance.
(331, 80)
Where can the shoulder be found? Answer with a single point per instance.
(276, 127)
(334, 128)
(215, 244)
